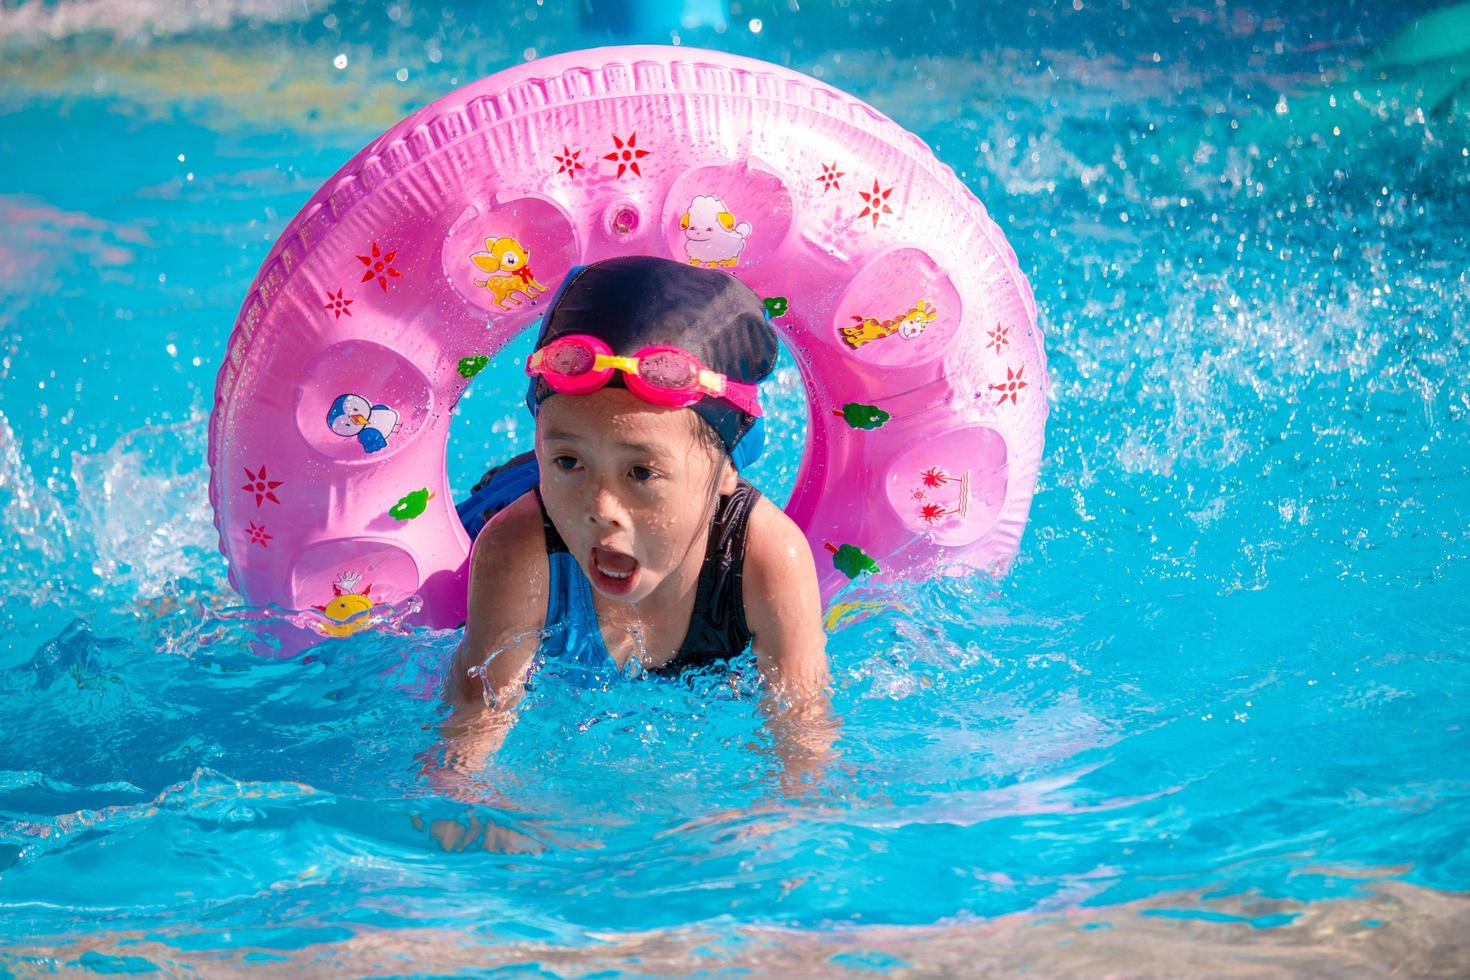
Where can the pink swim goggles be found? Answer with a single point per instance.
(578, 364)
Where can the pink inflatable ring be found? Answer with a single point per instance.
(914, 330)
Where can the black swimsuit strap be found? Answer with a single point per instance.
(717, 627)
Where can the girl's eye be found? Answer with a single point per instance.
(564, 462)
(642, 474)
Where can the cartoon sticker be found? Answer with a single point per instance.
(508, 268)
(410, 505)
(711, 235)
(909, 325)
(851, 560)
(347, 606)
(931, 510)
(354, 417)
(861, 416)
(471, 366)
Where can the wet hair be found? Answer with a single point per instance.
(706, 437)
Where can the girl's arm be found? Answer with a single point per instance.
(783, 608)
(507, 610)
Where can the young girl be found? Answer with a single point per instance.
(641, 542)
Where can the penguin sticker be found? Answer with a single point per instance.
(353, 416)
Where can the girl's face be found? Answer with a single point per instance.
(630, 487)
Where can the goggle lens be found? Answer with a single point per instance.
(570, 359)
(668, 369)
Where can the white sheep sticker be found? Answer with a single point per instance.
(711, 236)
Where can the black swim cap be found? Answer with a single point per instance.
(637, 301)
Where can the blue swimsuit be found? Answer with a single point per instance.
(717, 628)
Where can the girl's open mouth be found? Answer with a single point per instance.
(613, 573)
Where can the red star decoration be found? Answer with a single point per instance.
(876, 203)
(568, 163)
(262, 486)
(627, 155)
(257, 535)
(338, 305)
(380, 267)
(931, 513)
(830, 177)
(1011, 386)
(998, 338)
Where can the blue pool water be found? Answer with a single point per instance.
(1226, 681)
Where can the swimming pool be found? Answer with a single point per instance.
(1214, 716)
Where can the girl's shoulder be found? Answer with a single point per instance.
(776, 552)
(770, 533)
(513, 538)
(509, 570)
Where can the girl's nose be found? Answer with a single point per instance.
(605, 509)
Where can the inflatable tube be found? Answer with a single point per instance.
(913, 328)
